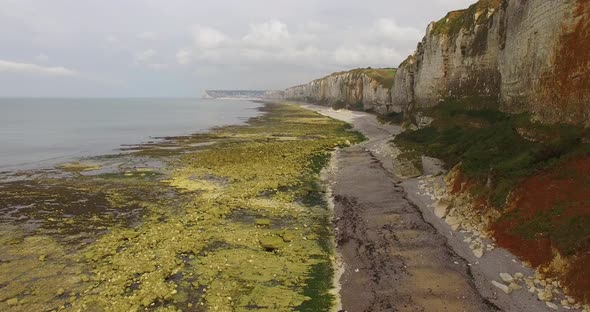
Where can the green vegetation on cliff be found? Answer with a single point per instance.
(476, 14)
(384, 76)
(492, 144)
(534, 175)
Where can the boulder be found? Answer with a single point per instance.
(506, 277)
(271, 243)
(478, 252)
(545, 295)
(551, 305)
(502, 287)
(441, 208)
(454, 222)
(12, 302)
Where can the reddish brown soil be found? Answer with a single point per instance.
(551, 212)
(569, 84)
(577, 279)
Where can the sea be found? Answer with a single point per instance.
(37, 132)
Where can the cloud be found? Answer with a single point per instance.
(147, 35)
(184, 56)
(358, 55)
(158, 66)
(34, 69)
(389, 29)
(207, 37)
(272, 43)
(269, 34)
(144, 56)
(41, 57)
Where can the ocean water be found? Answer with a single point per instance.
(37, 132)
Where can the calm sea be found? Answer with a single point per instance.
(37, 132)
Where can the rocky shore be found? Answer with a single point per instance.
(497, 276)
(229, 220)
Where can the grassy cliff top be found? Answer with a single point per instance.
(454, 21)
(385, 76)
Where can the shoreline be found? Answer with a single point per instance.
(483, 270)
(76, 136)
(235, 224)
(337, 263)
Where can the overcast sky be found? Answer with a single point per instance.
(181, 47)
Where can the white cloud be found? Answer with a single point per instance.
(311, 45)
(112, 39)
(271, 33)
(184, 56)
(144, 56)
(158, 66)
(41, 58)
(147, 35)
(34, 69)
(389, 29)
(359, 56)
(207, 37)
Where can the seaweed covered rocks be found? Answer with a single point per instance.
(230, 220)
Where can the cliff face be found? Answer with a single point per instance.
(367, 89)
(532, 56)
(546, 61)
(524, 55)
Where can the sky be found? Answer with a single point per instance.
(179, 48)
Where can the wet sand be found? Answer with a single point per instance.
(396, 255)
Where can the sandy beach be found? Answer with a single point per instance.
(397, 255)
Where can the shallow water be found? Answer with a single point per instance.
(43, 131)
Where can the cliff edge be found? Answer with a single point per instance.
(528, 56)
(359, 89)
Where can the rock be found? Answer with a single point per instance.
(12, 302)
(454, 222)
(262, 222)
(564, 303)
(502, 287)
(441, 208)
(60, 291)
(271, 243)
(551, 305)
(478, 252)
(549, 287)
(514, 286)
(519, 275)
(506, 277)
(532, 290)
(288, 237)
(42, 258)
(545, 295)
(346, 90)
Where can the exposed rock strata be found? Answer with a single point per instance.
(532, 56)
(526, 56)
(361, 89)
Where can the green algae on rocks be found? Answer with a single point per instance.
(235, 224)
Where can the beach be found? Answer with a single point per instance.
(396, 254)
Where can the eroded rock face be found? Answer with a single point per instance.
(525, 55)
(546, 61)
(360, 89)
(532, 56)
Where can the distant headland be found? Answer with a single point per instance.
(238, 94)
